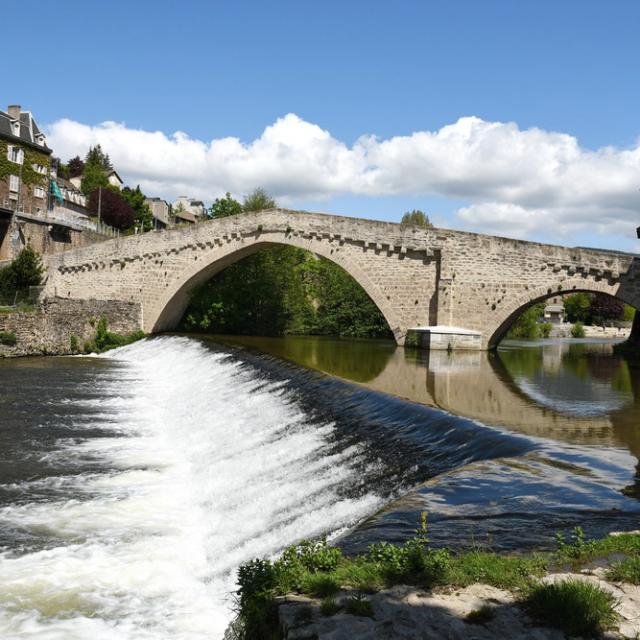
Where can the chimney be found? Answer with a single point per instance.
(14, 111)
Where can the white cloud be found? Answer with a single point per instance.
(517, 182)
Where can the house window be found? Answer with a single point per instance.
(14, 183)
(16, 128)
(15, 154)
(38, 192)
(40, 169)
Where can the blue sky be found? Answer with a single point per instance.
(215, 70)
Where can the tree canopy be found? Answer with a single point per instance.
(114, 209)
(281, 290)
(258, 200)
(417, 218)
(143, 218)
(223, 207)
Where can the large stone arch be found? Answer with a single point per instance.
(509, 313)
(167, 311)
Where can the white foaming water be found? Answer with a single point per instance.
(215, 467)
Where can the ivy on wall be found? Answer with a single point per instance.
(30, 177)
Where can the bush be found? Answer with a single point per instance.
(8, 338)
(24, 271)
(626, 571)
(577, 330)
(106, 339)
(575, 606)
(544, 329)
(73, 344)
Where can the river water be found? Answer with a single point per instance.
(133, 484)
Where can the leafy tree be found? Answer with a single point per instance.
(417, 218)
(24, 271)
(142, 211)
(93, 178)
(98, 158)
(114, 209)
(576, 307)
(604, 307)
(223, 207)
(63, 171)
(527, 324)
(258, 200)
(75, 166)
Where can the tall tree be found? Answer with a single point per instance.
(258, 200)
(223, 207)
(93, 178)
(142, 211)
(96, 156)
(76, 167)
(576, 306)
(114, 209)
(417, 218)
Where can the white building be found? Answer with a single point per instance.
(191, 205)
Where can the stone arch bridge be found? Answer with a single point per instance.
(470, 286)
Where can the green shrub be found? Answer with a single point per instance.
(313, 555)
(8, 338)
(329, 607)
(105, 339)
(320, 585)
(578, 547)
(625, 571)
(575, 606)
(544, 329)
(577, 330)
(73, 344)
(358, 605)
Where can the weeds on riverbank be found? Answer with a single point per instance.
(315, 568)
(105, 340)
(575, 606)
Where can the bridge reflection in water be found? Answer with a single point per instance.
(567, 390)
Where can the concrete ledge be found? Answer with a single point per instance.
(443, 338)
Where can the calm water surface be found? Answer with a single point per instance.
(132, 485)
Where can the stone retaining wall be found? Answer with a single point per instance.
(47, 330)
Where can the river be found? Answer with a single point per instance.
(133, 484)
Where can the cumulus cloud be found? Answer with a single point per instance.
(515, 182)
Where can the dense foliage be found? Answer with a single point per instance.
(114, 209)
(417, 218)
(24, 271)
(143, 218)
(281, 290)
(595, 308)
(528, 324)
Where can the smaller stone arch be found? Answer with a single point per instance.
(510, 312)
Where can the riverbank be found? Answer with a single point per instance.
(60, 326)
(587, 588)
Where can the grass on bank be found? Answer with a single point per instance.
(104, 339)
(317, 569)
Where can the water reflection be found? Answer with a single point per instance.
(575, 392)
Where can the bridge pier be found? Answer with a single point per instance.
(444, 338)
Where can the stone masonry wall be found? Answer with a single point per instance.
(417, 277)
(48, 329)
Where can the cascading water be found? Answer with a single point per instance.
(207, 466)
(133, 485)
